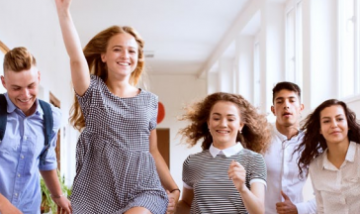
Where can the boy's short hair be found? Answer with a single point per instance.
(287, 86)
(18, 59)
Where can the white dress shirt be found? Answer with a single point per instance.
(337, 190)
(283, 174)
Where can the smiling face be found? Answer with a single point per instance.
(224, 124)
(287, 108)
(121, 56)
(334, 125)
(22, 88)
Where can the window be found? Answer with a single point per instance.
(257, 82)
(293, 46)
(349, 47)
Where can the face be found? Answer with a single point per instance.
(287, 108)
(22, 88)
(333, 125)
(224, 124)
(121, 55)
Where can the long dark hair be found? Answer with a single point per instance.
(255, 134)
(314, 143)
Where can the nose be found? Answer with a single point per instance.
(223, 123)
(26, 92)
(125, 54)
(286, 104)
(333, 123)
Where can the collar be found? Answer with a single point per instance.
(227, 152)
(284, 138)
(350, 157)
(11, 107)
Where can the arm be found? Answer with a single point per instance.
(51, 180)
(184, 205)
(163, 171)
(254, 199)
(79, 68)
(6, 207)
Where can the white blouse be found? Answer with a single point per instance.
(337, 190)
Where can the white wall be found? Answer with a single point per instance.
(34, 24)
(175, 92)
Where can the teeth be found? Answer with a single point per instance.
(24, 101)
(123, 63)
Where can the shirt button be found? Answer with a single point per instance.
(25, 138)
(22, 157)
(19, 175)
(16, 194)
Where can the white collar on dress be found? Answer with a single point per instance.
(227, 152)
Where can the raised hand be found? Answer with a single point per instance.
(286, 207)
(62, 5)
(237, 174)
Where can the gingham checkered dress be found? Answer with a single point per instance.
(114, 168)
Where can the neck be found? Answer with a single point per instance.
(223, 146)
(120, 88)
(336, 153)
(288, 131)
(31, 110)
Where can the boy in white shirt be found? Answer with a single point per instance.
(284, 189)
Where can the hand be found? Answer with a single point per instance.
(62, 5)
(286, 207)
(8, 208)
(64, 205)
(237, 174)
(173, 200)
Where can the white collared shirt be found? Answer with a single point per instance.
(283, 174)
(337, 190)
(227, 152)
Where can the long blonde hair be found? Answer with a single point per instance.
(92, 51)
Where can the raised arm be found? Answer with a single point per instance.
(79, 67)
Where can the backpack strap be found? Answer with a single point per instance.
(48, 125)
(3, 116)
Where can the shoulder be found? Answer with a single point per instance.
(149, 95)
(251, 154)
(57, 115)
(197, 157)
(316, 163)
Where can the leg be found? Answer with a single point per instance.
(138, 210)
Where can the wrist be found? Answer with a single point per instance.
(57, 196)
(242, 188)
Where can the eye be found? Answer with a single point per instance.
(340, 119)
(132, 51)
(325, 121)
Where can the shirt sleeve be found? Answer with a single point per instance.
(50, 159)
(93, 91)
(153, 112)
(186, 174)
(311, 205)
(258, 169)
